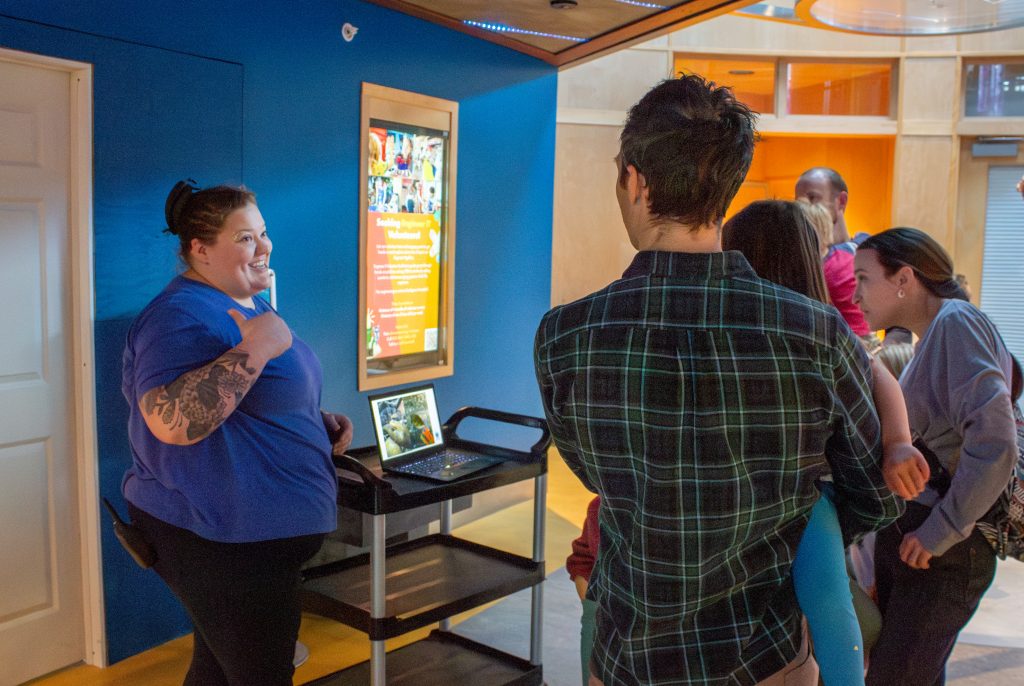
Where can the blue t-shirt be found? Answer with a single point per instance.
(266, 472)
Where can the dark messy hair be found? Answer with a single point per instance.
(778, 240)
(835, 181)
(192, 212)
(693, 142)
(907, 247)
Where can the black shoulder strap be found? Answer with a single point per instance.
(1017, 382)
(940, 478)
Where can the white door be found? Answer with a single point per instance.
(41, 611)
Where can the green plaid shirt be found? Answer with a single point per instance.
(702, 403)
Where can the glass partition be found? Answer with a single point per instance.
(994, 89)
(839, 88)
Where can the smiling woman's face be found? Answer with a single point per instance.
(877, 293)
(238, 262)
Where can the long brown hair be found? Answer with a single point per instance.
(908, 247)
(778, 240)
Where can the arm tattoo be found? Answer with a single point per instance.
(203, 397)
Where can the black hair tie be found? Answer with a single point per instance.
(176, 199)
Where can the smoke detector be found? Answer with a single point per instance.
(562, 4)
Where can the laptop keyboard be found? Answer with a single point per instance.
(435, 463)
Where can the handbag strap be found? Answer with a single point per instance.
(939, 479)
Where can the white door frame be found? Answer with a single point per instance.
(83, 363)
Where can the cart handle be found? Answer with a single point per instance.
(351, 464)
(499, 416)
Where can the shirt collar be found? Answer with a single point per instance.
(691, 266)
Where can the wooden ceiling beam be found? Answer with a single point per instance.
(457, 25)
(646, 28)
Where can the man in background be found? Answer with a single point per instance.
(824, 186)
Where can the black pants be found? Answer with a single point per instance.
(243, 599)
(923, 610)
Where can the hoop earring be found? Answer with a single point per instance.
(900, 293)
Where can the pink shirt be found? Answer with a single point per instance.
(839, 280)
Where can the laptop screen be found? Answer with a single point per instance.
(406, 423)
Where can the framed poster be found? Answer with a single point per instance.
(406, 237)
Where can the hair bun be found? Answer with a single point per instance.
(176, 200)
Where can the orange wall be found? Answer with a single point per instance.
(752, 81)
(853, 89)
(866, 165)
(862, 97)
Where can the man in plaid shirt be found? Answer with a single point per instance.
(702, 403)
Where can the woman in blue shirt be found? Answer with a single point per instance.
(231, 480)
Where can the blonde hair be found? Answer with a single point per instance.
(821, 219)
(895, 357)
(376, 150)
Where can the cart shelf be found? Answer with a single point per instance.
(392, 590)
(443, 659)
(427, 580)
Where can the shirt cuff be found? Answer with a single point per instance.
(937, 534)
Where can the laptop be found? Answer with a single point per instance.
(409, 438)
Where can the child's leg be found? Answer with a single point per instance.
(823, 591)
(869, 618)
(587, 636)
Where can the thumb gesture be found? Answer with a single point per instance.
(266, 335)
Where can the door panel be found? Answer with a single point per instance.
(41, 613)
(22, 345)
(27, 586)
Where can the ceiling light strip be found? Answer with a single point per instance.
(637, 3)
(503, 28)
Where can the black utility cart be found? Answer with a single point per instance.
(395, 589)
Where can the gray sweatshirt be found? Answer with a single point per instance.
(958, 400)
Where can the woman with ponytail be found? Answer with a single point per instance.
(232, 482)
(933, 565)
(820, 578)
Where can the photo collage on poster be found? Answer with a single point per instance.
(405, 172)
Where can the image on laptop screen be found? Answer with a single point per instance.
(406, 422)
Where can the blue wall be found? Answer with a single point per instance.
(268, 94)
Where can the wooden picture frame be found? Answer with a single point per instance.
(408, 164)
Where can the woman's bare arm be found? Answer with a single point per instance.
(904, 468)
(191, 407)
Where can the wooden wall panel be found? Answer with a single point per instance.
(732, 33)
(614, 82)
(924, 175)
(994, 42)
(913, 44)
(930, 89)
(590, 247)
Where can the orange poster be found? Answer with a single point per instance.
(404, 242)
